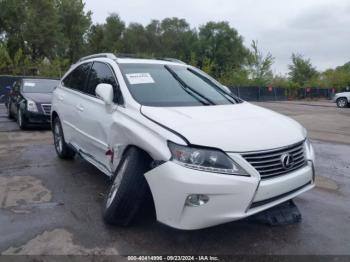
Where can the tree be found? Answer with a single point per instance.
(5, 60)
(113, 30)
(134, 39)
(259, 66)
(153, 34)
(74, 23)
(95, 39)
(235, 77)
(301, 70)
(176, 38)
(338, 78)
(42, 31)
(222, 45)
(106, 37)
(13, 15)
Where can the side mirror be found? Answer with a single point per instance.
(105, 93)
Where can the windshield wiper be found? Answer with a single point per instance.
(192, 92)
(228, 96)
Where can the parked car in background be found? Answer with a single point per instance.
(207, 156)
(29, 101)
(342, 99)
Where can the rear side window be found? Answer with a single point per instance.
(77, 79)
(101, 73)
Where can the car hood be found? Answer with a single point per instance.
(233, 128)
(39, 97)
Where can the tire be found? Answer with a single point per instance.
(22, 122)
(9, 113)
(342, 102)
(62, 149)
(129, 189)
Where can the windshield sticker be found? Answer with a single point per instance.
(140, 78)
(29, 84)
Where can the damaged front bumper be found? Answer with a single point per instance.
(230, 197)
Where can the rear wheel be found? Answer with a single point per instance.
(342, 102)
(129, 189)
(62, 149)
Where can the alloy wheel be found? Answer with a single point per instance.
(58, 138)
(341, 103)
(116, 183)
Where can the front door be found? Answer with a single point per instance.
(97, 117)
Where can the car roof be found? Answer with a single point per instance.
(130, 58)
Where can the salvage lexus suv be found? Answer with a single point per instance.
(167, 128)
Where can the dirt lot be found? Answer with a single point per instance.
(50, 206)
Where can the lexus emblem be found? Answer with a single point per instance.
(287, 161)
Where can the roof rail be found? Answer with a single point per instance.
(169, 59)
(126, 55)
(105, 55)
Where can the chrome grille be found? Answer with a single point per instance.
(269, 163)
(46, 108)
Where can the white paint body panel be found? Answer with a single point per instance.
(342, 94)
(93, 128)
(232, 128)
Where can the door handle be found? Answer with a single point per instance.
(80, 108)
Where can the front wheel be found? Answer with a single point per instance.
(342, 102)
(62, 149)
(129, 189)
(9, 113)
(22, 122)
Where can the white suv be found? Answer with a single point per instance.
(342, 99)
(165, 127)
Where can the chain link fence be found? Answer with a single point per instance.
(255, 93)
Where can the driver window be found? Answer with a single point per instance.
(101, 73)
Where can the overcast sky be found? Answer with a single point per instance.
(318, 29)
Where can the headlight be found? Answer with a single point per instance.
(310, 154)
(31, 106)
(205, 160)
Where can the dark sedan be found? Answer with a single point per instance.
(30, 101)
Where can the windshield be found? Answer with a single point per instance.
(169, 85)
(39, 85)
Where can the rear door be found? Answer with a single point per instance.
(96, 119)
(70, 98)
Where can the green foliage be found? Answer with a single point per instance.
(135, 34)
(21, 63)
(336, 78)
(222, 45)
(43, 37)
(235, 77)
(42, 31)
(73, 24)
(259, 66)
(301, 70)
(5, 60)
(112, 32)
